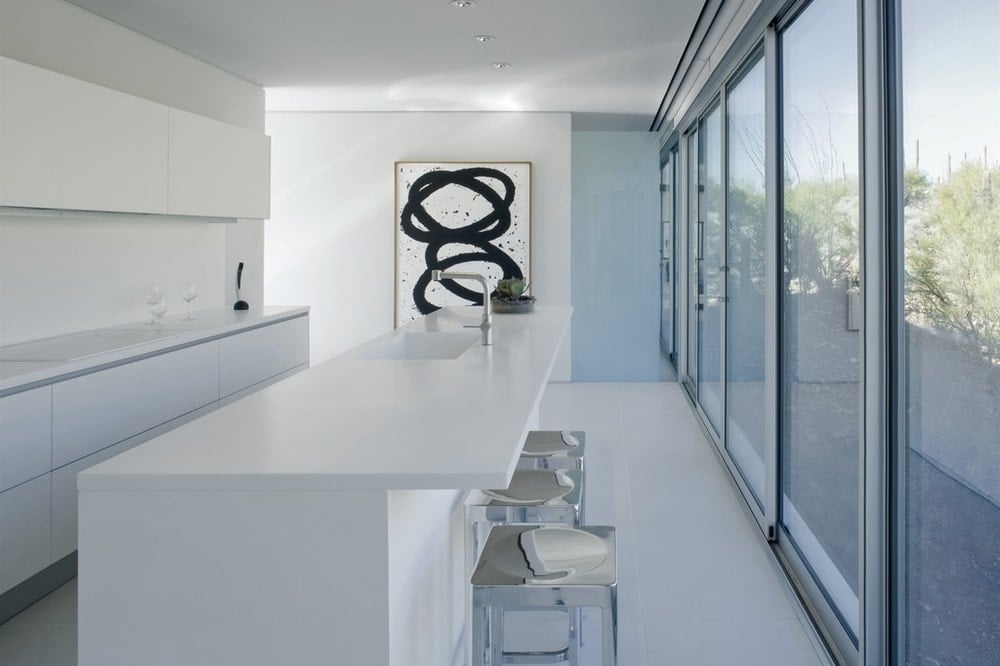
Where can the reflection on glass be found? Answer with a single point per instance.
(951, 233)
(745, 398)
(710, 310)
(666, 258)
(820, 337)
(693, 287)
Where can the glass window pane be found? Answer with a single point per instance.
(820, 310)
(692, 249)
(745, 403)
(666, 258)
(951, 235)
(710, 307)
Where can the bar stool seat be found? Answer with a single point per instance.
(544, 567)
(534, 496)
(553, 449)
(538, 486)
(550, 442)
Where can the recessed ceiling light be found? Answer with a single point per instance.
(501, 65)
(463, 3)
(482, 39)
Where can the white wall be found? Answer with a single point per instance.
(330, 242)
(616, 256)
(63, 274)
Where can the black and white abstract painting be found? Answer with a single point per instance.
(467, 217)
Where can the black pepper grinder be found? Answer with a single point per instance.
(240, 303)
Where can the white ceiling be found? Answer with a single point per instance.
(601, 57)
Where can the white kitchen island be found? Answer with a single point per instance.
(318, 521)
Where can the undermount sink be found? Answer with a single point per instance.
(421, 346)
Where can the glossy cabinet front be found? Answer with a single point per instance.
(97, 410)
(50, 434)
(25, 436)
(69, 144)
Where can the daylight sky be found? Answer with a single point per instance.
(951, 81)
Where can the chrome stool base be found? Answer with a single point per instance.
(544, 567)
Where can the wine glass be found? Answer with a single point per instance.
(153, 296)
(158, 310)
(188, 294)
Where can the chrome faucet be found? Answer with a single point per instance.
(486, 326)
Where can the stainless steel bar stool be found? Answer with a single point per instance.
(534, 496)
(553, 449)
(544, 567)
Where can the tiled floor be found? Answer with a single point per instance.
(696, 585)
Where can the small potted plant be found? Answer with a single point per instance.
(510, 297)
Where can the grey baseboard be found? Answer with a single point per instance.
(22, 595)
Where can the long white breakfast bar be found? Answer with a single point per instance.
(321, 519)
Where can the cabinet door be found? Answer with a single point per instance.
(97, 410)
(64, 494)
(218, 169)
(72, 144)
(25, 536)
(248, 358)
(25, 436)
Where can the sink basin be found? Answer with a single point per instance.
(420, 346)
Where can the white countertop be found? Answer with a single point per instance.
(354, 423)
(44, 361)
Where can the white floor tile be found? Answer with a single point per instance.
(37, 645)
(707, 592)
(744, 642)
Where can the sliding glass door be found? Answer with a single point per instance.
(820, 332)
(746, 276)
(711, 305)
(950, 278)
(694, 285)
(841, 334)
(668, 208)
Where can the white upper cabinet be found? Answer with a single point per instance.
(73, 145)
(66, 143)
(218, 169)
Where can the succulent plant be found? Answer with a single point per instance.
(510, 289)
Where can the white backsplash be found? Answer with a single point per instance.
(81, 271)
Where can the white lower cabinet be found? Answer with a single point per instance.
(50, 434)
(64, 493)
(64, 502)
(25, 538)
(25, 436)
(94, 411)
(257, 355)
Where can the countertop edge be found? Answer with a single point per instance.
(97, 482)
